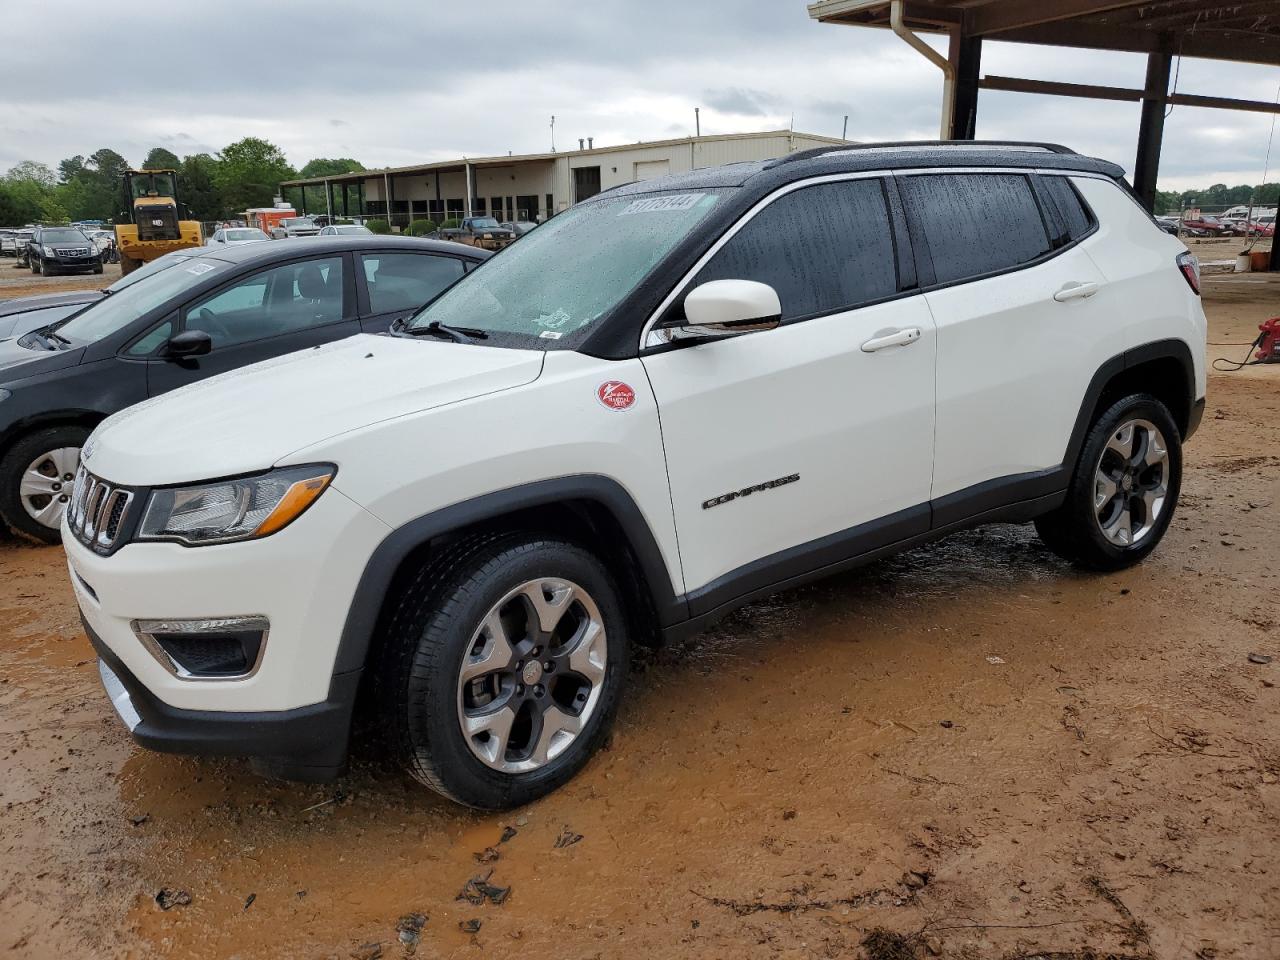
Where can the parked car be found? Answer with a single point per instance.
(62, 250)
(518, 227)
(8, 243)
(1170, 225)
(475, 517)
(230, 236)
(482, 232)
(295, 227)
(1207, 226)
(22, 241)
(345, 230)
(219, 310)
(21, 315)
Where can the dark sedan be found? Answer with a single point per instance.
(217, 311)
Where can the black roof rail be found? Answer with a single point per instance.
(922, 145)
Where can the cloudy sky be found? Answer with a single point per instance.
(401, 81)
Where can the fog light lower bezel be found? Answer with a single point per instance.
(150, 631)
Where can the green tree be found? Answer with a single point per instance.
(27, 189)
(161, 159)
(248, 173)
(197, 189)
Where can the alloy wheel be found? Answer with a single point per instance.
(532, 675)
(46, 485)
(1131, 482)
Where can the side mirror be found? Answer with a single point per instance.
(189, 343)
(728, 308)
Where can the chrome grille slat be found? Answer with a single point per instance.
(98, 511)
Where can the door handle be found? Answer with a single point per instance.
(1075, 291)
(894, 338)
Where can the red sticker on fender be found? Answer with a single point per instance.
(616, 395)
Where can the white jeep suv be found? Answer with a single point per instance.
(671, 399)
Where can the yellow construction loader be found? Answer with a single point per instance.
(153, 228)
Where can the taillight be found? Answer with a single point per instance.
(1190, 267)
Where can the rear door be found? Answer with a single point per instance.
(792, 448)
(276, 310)
(395, 284)
(1023, 322)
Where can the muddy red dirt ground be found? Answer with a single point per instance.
(971, 746)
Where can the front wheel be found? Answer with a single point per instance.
(34, 263)
(503, 668)
(37, 475)
(1124, 488)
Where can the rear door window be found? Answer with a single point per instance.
(976, 223)
(823, 248)
(407, 281)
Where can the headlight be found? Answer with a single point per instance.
(231, 510)
(50, 252)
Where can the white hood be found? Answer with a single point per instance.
(250, 418)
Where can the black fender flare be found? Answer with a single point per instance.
(375, 581)
(1171, 349)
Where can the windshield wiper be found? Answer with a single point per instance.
(437, 329)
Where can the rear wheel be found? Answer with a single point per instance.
(37, 475)
(503, 668)
(128, 264)
(1124, 489)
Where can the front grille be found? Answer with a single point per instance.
(72, 252)
(157, 223)
(98, 511)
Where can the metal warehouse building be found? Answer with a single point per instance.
(533, 186)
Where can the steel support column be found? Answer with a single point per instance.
(1146, 168)
(966, 55)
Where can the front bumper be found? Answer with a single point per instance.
(309, 743)
(301, 580)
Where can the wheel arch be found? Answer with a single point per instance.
(1162, 368)
(43, 421)
(587, 508)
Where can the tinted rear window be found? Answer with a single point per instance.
(822, 248)
(976, 223)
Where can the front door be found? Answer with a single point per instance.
(274, 311)
(796, 447)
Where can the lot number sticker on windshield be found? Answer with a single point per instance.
(199, 268)
(616, 395)
(681, 201)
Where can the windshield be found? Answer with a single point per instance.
(352, 228)
(114, 313)
(572, 270)
(62, 236)
(484, 223)
(298, 222)
(246, 234)
(151, 185)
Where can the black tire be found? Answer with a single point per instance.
(97, 267)
(15, 461)
(1073, 531)
(416, 680)
(34, 263)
